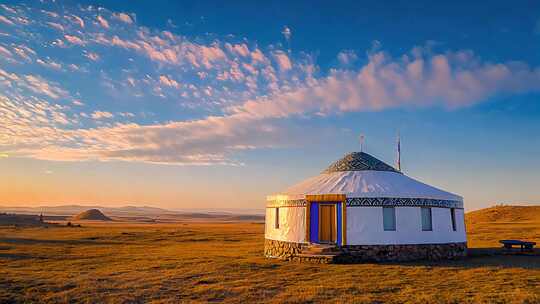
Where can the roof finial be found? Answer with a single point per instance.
(362, 140)
(398, 160)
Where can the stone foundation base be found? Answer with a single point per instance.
(377, 253)
(402, 253)
(282, 250)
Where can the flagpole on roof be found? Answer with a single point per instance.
(398, 160)
(362, 138)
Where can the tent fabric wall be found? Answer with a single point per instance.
(365, 227)
(292, 226)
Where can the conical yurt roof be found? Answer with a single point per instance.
(359, 174)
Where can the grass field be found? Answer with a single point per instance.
(211, 262)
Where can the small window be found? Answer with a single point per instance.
(426, 219)
(276, 223)
(453, 215)
(389, 218)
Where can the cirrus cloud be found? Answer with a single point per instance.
(101, 115)
(240, 95)
(450, 80)
(123, 17)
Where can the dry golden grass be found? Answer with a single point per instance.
(505, 214)
(205, 262)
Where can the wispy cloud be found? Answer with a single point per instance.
(103, 22)
(49, 64)
(102, 115)
(92, 56)
(74, 39)
(56, 26)
(123, 17)
(241, 93)
(165, 80)
(5, 52)
(76, 20)
(347, 57)
(450, 80)
(33, 83)
(415, 80)
(283, 61)
(6, 20)
(287, 33)
(24, 52)
(203, 142)
(39, 85)
(8, 9)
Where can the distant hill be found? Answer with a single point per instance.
(126, 211)
(141, 213)
(91, 215)
(71, 210)
(505, 213)
(20, 220)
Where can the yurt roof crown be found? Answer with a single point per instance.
(359, 161)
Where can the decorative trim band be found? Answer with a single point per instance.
(376, 202)
(402, 202)
(286, 203)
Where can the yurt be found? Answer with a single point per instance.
(361, 209)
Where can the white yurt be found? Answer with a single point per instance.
(360, 208)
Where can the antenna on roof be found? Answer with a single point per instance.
(398, 160)
(362, 139)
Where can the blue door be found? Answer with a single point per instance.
(315, 222)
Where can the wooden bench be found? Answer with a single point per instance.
(524, 246)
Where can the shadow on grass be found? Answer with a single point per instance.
(26, 241)
(485, 257)
(17, 256)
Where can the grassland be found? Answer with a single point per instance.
(223, 262)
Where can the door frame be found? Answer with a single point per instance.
(330, 199)
(335, 234)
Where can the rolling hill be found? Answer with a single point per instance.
(505, 214)
(91, 215)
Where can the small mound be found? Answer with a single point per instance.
(91, 215)
(505, 214)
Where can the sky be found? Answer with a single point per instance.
(212, 104)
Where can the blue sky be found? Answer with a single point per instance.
(212, 105)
